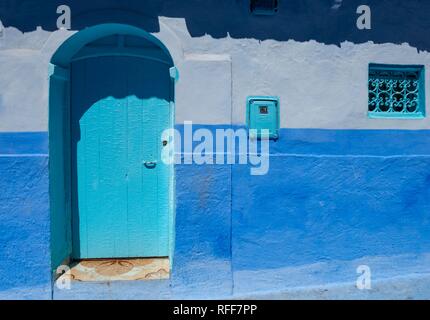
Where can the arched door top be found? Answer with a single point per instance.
(67, 52)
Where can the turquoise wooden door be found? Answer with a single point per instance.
(120, 187)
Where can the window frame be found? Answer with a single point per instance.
(418, 115)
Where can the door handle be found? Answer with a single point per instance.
(150, 164)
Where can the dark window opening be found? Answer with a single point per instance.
(264, 7)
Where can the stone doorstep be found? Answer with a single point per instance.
(107, 270)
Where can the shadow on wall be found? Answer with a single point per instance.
(326, 21)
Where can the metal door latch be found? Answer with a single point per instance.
(150, 164)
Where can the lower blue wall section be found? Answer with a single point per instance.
(25, 228)
(332, 200)
(340, 208)
(202, 260)
(24, 217)
(312, 210)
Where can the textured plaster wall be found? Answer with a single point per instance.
(321, 84)
(333, 199)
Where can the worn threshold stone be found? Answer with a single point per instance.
(119, 270)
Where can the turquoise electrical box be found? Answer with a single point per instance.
(263, 113)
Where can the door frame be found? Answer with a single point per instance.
(60, 130)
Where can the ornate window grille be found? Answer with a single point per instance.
(264, 7)
(396, 91)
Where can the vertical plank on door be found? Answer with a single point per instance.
(136, 151)
(163, 121)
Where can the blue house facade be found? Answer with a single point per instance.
(332, 185)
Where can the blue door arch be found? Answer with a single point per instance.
(111, 96)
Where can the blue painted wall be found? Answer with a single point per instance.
(325, 202)
(25, 255)
(202, 260)
(23, 143)
(330, 195)
(333, 199)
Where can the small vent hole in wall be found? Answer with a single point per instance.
(263, 7)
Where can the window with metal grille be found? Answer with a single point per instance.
(264, 7)
(396, 91)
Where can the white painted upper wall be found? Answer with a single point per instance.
(320, 86)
